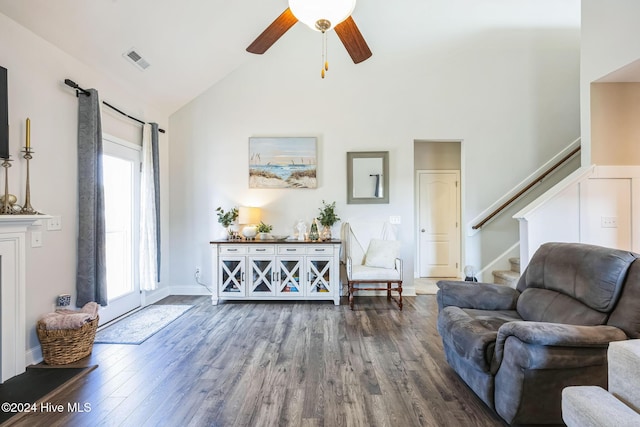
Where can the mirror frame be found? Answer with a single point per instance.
(384, 155)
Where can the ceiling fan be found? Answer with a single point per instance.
(319, 15)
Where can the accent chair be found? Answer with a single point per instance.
(372, 260)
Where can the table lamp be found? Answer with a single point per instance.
(250, 218)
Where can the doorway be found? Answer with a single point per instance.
(438, 208)
(121, 170)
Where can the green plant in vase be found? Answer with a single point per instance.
(327, 218)
(227, 219)
(263, 229)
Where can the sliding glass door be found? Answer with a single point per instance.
(121, 161)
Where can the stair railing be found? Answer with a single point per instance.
(526, 188)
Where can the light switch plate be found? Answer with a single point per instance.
(54, 223)
(395, 219)
(609, 222)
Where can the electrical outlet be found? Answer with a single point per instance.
(36, 239)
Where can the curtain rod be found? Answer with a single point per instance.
(75, 86)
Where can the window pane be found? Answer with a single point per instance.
(118, 195)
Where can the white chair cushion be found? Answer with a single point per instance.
(362, 272)
(382, 253)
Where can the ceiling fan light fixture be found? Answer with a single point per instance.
(310, 12)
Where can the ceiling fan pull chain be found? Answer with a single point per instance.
(325, 63)
(326, 53)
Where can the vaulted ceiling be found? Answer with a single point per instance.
(192, 44)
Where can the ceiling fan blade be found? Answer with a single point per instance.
(352, 40)
(273, 32)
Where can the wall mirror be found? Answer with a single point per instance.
(367, 177)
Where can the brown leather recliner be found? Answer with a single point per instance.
(518, 348)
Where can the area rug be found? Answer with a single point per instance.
(139, 326)
(39, 384)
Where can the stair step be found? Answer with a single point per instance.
(505, 277)
(515, 264)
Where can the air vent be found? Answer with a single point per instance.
(136, 59)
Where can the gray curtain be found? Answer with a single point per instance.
(156, 181)
(91, 277)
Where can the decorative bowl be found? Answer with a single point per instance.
(279, 237)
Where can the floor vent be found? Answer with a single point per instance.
(136, 59)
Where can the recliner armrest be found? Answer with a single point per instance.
(481, 296)
(555, 335)
(560, 334)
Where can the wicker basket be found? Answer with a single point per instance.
(63, 346)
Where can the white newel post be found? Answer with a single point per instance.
(13, 231)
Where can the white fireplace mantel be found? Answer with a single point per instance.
(13, 231)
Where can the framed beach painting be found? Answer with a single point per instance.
(282, 162)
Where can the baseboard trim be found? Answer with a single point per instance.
(152, 297)
(188, 290)
(34, 356)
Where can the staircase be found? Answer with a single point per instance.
(508, 277)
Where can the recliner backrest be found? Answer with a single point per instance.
(573, 283)
(626, 314)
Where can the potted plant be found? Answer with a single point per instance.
(263, 230)
(227, 219)
(327, 218)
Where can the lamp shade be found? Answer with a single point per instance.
(311, 11)
(248, 215)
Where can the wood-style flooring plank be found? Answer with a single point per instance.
(295, 363)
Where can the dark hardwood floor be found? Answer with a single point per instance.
(278, 364)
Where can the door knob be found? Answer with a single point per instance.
(422, 230)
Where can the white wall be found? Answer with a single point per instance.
(498, 78)
(37, 71)
(606, 203)
(610, 41)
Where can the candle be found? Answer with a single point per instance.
(4, 114)
(28, 144)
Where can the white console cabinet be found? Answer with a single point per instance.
(263, 270)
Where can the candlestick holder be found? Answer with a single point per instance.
(27, 209)
(6, 208)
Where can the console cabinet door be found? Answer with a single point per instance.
(319, 276)
(261, 276)
(290, 276)
(232, 276)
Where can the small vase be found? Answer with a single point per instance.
(313, 234)
(326, 233)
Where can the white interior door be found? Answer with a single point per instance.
(439, 223)
(121, 161)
